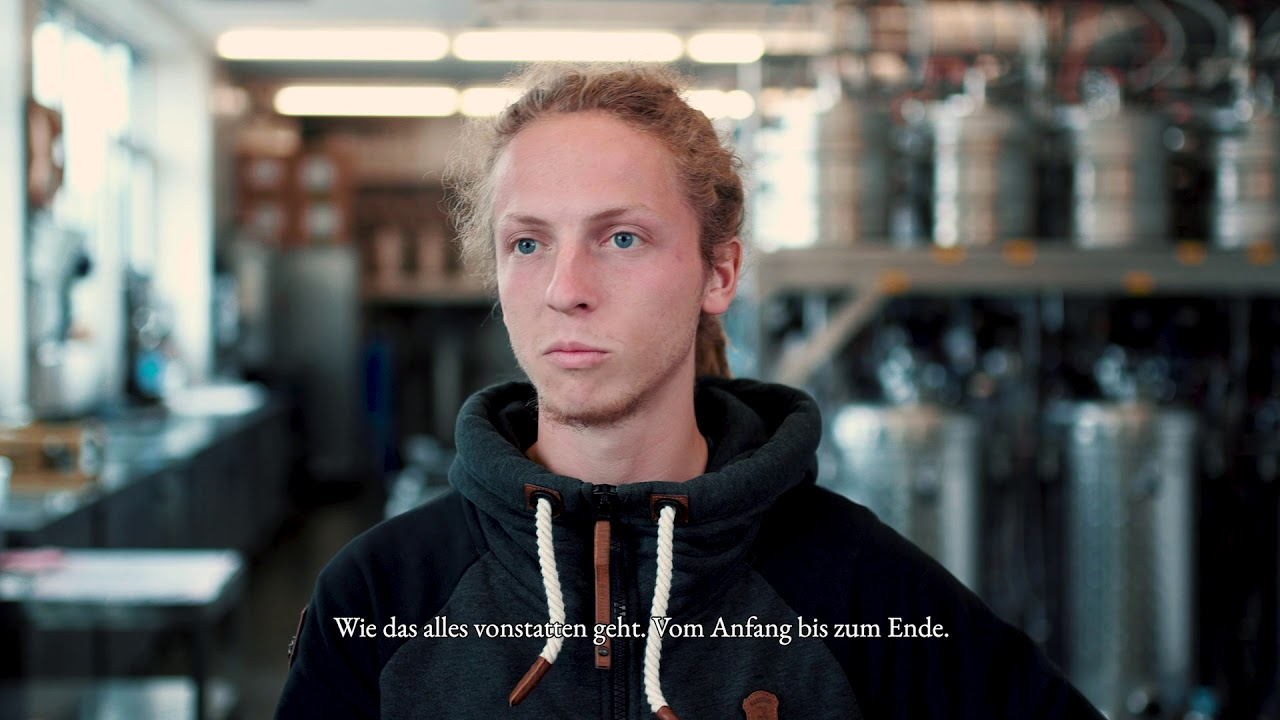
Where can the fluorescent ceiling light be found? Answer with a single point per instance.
(725, 47)
(536, 45)
(486, 101)
(735, 104)
(370, 44)
(367, 100)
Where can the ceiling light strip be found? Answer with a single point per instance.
(438, 101)
(354, 45)
(366, 101)
(423, 45)
(539, 45)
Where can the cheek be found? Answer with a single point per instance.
(659, 298)
(514, 284)
(513, 306)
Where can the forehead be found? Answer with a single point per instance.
(580, 155)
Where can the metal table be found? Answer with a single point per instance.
(127, 590)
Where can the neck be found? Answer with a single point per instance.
(660, 441)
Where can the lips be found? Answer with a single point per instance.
(573, 347)
(575, 355)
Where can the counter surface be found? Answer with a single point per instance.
(139, 444)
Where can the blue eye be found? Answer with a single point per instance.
(624, 240)
(525, 246)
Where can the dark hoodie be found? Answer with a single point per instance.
(757, 549)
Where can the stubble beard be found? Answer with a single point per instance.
(586, 417)
(621, 402)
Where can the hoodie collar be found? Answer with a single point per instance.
(762, 439)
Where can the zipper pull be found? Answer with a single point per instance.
(605, 499)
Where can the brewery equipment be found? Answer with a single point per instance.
(853, 137)
(1119, 172)
(852, 165)
(983, 172)
(916, 467)
(316, 320)
(1241, 159)
(1129, 552)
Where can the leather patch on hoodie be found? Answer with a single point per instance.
(761, 705)
(531, 492)
(657, 500)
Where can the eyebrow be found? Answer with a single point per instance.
(607, 214)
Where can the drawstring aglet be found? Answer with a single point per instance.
(530, 681)
(666, 713)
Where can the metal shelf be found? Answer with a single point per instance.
(875, 273)
(1021, 267)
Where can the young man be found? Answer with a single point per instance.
(630, 535)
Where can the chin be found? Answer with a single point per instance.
(579, 405)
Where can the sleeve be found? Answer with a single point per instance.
(332, 673)
(981, 666)
(833, 560)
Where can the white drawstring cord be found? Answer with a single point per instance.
(555, 607)
(661, 592)
(550, 579)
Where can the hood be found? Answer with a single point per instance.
(762, 441)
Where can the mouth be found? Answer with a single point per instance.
(575, 356)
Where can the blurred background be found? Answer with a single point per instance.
(1023, 254)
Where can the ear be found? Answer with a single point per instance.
(722, 281)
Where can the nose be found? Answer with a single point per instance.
(573, 285)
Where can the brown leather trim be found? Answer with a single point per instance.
(761, 705)
(682, 514)
(666, 713)
(603, 539)
(529, 681)
(530, 490)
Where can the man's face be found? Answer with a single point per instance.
(599, 271)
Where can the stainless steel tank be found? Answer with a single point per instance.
(916, 467)
(983, 173)
(1242, 158)
(1120, 189)
(853, 173)
(1130, 539)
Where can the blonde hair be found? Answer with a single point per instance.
(647, 98)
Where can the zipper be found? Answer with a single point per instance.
(611, 599)
(621, 672)
(605, 499)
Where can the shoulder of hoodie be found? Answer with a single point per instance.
(813, 537)
(831, 558)
(413, 559)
